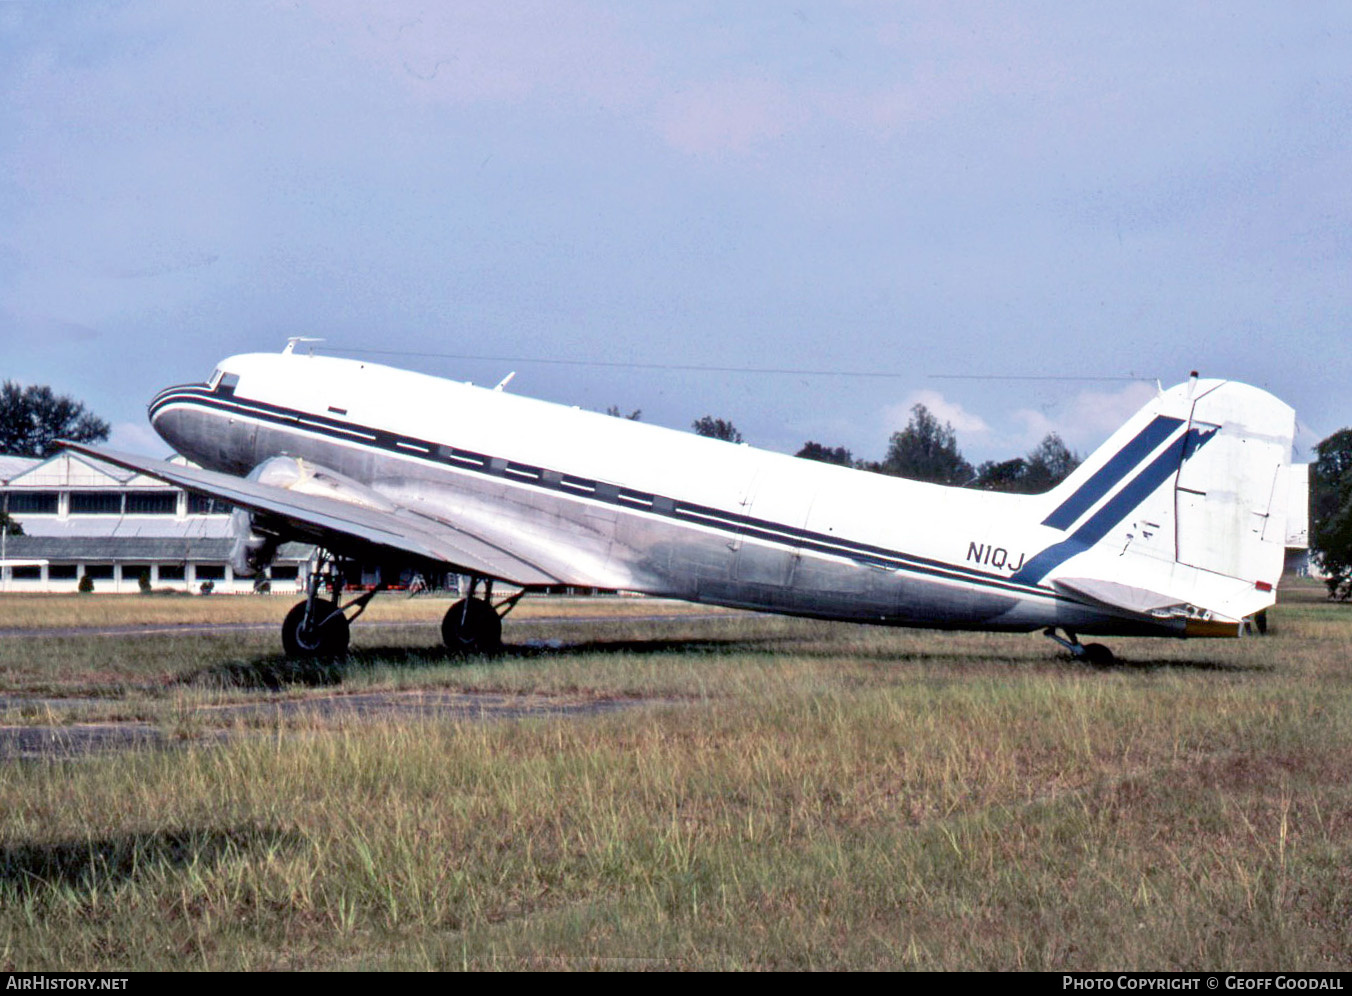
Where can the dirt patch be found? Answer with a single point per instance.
(218, 722)
(32, 743)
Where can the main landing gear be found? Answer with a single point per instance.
(1095, 654)
(319, 626)
(474, 625)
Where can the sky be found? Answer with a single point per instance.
(1020, 215)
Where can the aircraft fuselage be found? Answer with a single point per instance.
(607, 502)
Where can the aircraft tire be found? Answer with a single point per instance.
(1098, 655)
(330, 641)
(473, 628)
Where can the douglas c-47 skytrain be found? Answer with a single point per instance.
(1176, 526)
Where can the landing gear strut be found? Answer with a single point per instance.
(474, 625)
(1092, 653)
(320, 627)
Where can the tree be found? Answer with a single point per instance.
(634, 416)
(1046, 465)
(33, 418)
(1006, 475)
(1331, 512)
(826, 454)
(1049, 463)
(926, 451)
(716, 428)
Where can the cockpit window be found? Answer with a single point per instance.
(214, 379)
(223, 383)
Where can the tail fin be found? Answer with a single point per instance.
(1185, 506)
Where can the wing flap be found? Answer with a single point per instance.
(315, 516)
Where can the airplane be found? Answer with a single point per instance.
(1176, 526)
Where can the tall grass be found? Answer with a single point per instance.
(794, 796)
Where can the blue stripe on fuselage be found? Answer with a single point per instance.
(1107, 477)
(1118, 508)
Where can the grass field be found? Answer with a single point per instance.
(776, 794)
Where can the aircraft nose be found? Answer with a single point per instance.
(165, 418)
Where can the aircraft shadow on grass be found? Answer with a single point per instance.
(100, 862)
(275, 672)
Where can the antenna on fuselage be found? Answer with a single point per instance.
(505, 381)
(291, 343)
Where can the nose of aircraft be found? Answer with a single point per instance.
(167, 419)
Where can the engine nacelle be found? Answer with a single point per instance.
(306, 478)
(254, 548)
(252, 551)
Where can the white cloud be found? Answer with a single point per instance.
(726, 116)
(940, 407)
(1084, 419)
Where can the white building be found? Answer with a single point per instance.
(85, 518)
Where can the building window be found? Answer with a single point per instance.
(61, 572)
(99, 572)
(26, 572)
(210, 572)
(152, 502)
(33, 502)
(171, 572)
(284, 572)
(202, 505)
(95, 502)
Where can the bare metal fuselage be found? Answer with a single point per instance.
(608, 532)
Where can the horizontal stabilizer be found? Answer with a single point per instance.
(1138, 601)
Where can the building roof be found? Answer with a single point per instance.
(72, 548)
(136, 548)
(73, 470)
(13, 466)
(127, 526)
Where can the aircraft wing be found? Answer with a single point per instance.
(317, 518)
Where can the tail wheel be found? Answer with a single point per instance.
(472, 626)
(327, 634)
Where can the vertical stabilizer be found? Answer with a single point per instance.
(1188, 503)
